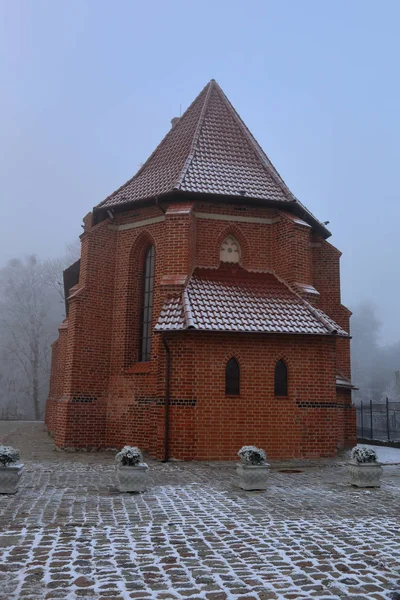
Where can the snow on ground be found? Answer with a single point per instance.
(386, 454)
(68, 533)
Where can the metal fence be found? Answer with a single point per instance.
(379, 421)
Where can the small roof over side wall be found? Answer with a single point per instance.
(250, 303)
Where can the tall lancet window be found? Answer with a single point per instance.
(230, 250)
(281, 377)
(147, 305)
(232, 378)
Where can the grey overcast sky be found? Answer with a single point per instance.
(88, 88)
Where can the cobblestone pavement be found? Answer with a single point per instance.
(69, 534)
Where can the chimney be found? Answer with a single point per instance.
(174, 121)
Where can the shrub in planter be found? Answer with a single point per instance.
(132, 471)
(10, 472)
(253, 470)
(364, 469)
(363, 454)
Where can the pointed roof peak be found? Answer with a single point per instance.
(209, 151)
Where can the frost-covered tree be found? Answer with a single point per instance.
(373, 365)
(392, 390)
(31, 309)
(24, 306)
(53, 268)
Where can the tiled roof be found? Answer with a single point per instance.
(223, 301)
(209, 150)
(172, 316)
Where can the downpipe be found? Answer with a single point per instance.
(167, 399)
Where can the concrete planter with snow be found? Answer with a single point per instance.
(133, 479)
(10, 472)
(364, 469)
(253, 470)
(252, 477)
(9, 478)
(365, 474)
(132, 471)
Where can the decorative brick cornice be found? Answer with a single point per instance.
(137, 224)
(236, 218)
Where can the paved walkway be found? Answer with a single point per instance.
(69, 534)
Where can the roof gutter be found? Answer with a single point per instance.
(249, 332)
(294, 206)
(175, 195)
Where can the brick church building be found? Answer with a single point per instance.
(204, 312)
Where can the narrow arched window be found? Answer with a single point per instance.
(281, 387)
(232, 378)
(147, 305)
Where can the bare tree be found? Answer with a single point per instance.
(31, 308)
(373, 365)
(53, 268)
(25, 341)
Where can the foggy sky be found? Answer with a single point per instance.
(88, 89)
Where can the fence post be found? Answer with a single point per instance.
(387, 419)
(372, 431)
(362, 420)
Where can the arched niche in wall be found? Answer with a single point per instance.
(230, 250)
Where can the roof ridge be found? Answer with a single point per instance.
(196, 136)
(187, 309)
(265, 161)
(156, 149)
(317, 315)
(314, 311)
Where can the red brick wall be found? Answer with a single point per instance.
(81, 380)
(51, 406)
(292, 250)
(347, 423)
(206, 424)
(55, 418)
(101, 396)
(285, 427)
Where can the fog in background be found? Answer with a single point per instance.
(89, 89)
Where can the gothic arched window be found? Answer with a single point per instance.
(230, 250)
(281, 377)
(232, 378)
(147, 305)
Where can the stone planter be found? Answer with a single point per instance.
(365, 474)
(9, 478)
(252, 477)
(133, 479)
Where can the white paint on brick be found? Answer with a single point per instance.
(237, 218)
(136, 224)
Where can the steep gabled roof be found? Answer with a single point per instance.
(209, 151)
(243, 302)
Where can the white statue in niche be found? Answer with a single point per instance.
(230, 250)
